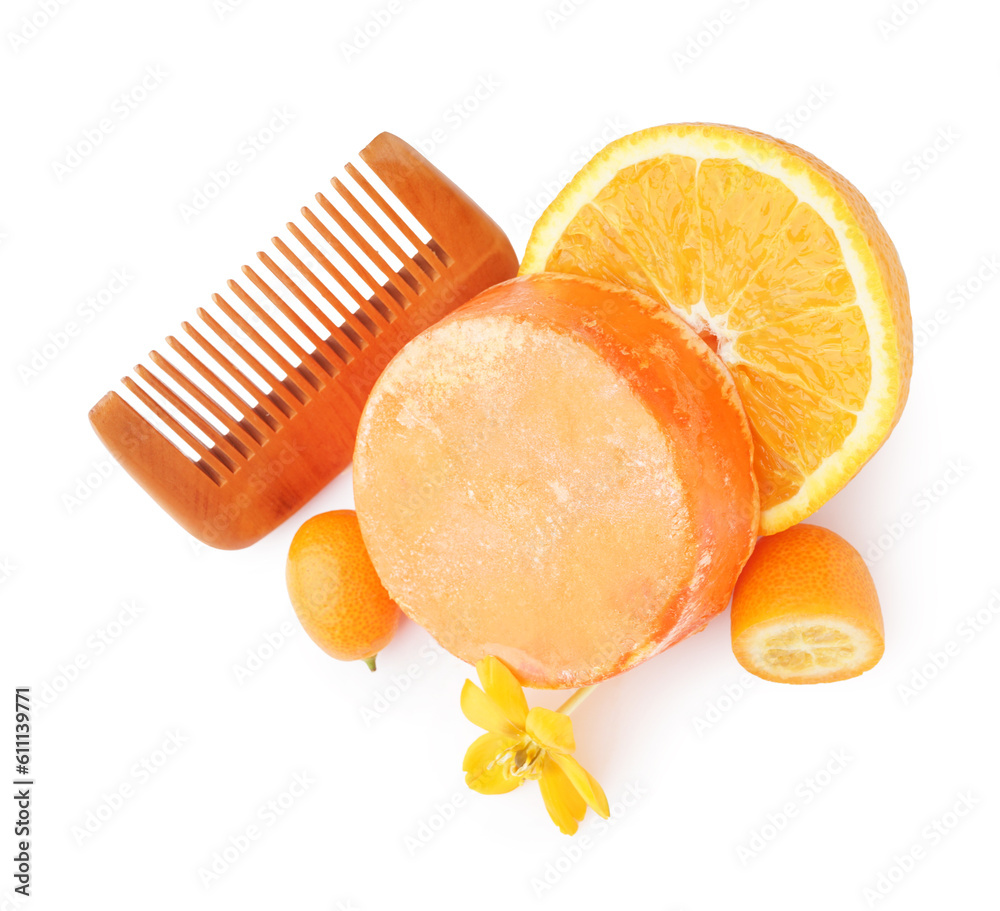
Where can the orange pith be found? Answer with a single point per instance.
(335, 591)
(776, 260)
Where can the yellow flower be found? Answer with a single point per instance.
(520, 745)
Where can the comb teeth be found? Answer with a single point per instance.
(274, 345)
(435, 258)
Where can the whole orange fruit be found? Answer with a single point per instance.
(805, 609)
(336, 593)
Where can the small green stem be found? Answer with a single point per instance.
(370, 661)
(570, 704)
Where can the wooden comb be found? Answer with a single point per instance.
(264, 440)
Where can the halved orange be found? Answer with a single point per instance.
(805, 609)
(779, 263)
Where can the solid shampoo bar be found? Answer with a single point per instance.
(558, 474)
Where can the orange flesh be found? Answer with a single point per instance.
(558, 475)
(735, 252)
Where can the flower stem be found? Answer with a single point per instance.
(570, 704)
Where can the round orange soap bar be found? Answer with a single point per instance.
(558, 474)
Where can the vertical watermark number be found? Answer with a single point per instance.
(22, 790)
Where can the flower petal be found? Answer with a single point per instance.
(565, 805)
(602, 808)
(549, 729)
(483, 711)
(493, 781)
(479, 775)
(484, 750)
(584, 782)
(502, 687)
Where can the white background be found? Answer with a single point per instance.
(710, 757)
